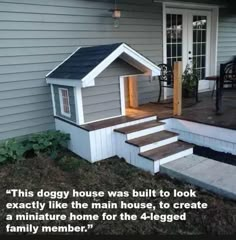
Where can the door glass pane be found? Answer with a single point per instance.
(199, 45)
(174, 36)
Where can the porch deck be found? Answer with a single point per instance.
(202, 112)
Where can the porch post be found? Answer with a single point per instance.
(177, 108)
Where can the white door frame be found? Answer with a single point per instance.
(212, 33)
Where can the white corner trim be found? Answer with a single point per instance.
(79, 106)
(122, 95)
(215, 29)
(62, 62)
(64, 82)
(77, 114)
(53, 100)
(61, 102)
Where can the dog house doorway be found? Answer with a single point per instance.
(131, 93)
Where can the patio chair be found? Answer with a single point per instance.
(166, 80)
(227, 76)
(229, 73)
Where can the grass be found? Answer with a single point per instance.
(115, 174)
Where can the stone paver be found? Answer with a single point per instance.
(212, 175)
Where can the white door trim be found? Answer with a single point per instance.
(181, 7)
(122, 95)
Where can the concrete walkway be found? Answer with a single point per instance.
(206, 173)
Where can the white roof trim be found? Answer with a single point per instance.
(152, 69)
(143, 60)
(64, 82)
(88, 80)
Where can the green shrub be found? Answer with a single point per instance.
(50, 142)
(12, 151)
(69, 163)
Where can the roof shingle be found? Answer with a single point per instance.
(83, 61)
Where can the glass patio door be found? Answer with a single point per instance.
(187, 40)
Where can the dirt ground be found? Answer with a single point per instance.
(114, 174)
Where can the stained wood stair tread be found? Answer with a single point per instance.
(152, 138)
(166, 151)
(138, 127)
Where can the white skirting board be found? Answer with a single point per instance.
(103, 142)
(94, 145)
(216, 138)
(80, 140)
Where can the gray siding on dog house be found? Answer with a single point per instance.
(103, 100)
(35, 36)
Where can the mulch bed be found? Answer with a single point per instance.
(115, 174)
(218, 156)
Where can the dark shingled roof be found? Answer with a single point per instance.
(83, 61)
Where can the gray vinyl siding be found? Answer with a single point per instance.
(35, 36)
(71, 101)
(227, 36)
(103, 100)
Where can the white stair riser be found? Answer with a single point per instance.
(176, 156)
(131, 154)
(158, 144)
(147, 165)
(121, 148)
(144, 132)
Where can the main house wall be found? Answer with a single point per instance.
(227, 36)
(35, 36)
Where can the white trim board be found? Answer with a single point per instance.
(122, 95)
(53, 99)
(64, 82)
(79, 106)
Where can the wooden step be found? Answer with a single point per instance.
(166, 151)
(152, 138)
(139, 127)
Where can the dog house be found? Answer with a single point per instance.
(89, 96)
(89, 87)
